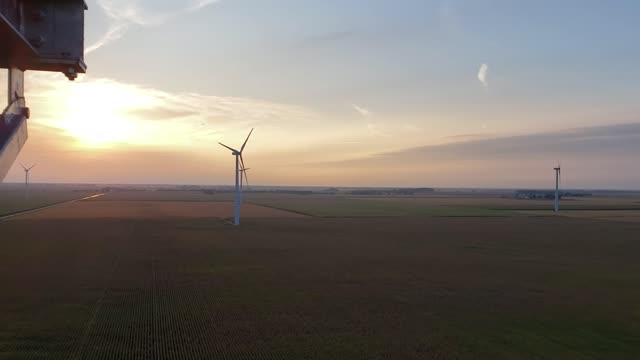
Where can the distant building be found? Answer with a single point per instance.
(547, 194)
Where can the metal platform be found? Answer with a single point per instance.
(13, 44)
(40, 35)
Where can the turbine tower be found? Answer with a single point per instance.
(26, 179)
(556, 207)
(239, 161)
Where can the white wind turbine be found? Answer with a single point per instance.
(239, 161)
(26, 179)
(556, 206)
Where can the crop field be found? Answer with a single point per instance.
(348, 206)
(14, 201)
(97, 209)
(159, 281)
(610, 215)
(497, 203)
(164, 195)
(341, 206)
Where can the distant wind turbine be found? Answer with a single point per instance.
(26, 179)
(558, 179)
(239, 161)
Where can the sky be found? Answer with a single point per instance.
(442, 93)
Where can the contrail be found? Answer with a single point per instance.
(125, 14)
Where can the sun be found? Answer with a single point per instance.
(98, 114)
(99, 131)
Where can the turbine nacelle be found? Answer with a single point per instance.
(27, 169)
(234, 152)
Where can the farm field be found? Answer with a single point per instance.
(498, 203)
(350, 206)
(165, 195)
(15, 200)
(152, 210)
(609, 215)
(341, 206)
(154, 279)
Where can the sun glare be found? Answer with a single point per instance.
(98, 114)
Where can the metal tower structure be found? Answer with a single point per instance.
(40, 35)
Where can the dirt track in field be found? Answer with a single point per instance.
(152, 210)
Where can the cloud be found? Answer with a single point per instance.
(620, 139)
(313, 41)
(483, 75)
(595, 157)
(145, 116)
(462, 136)
(125, 14)
(199, 4)
(362, 111)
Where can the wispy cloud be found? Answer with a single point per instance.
(602, 157)
(606, 140)
(199, 4)
(462, 136)
(148, 116)
(125, 14)
(361, 110)
(313, 41)
(483, 75)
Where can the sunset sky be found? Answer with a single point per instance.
(349, 93)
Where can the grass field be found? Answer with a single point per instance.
(397, 287)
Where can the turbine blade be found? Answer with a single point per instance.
(24, 167)
(244, 170)
(230, 148)
(242, 161)
(560, 175)
(32, 166)
(245, 142)
(246, 177)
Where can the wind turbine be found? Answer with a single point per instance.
(239, 161)
(26, 179)
(558, 179)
